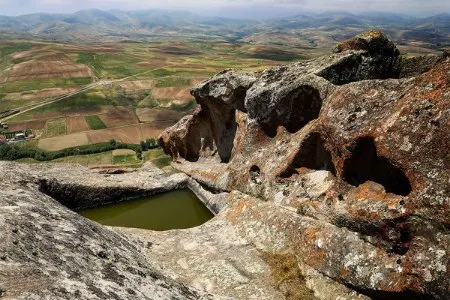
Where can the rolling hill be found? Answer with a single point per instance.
(308, 30)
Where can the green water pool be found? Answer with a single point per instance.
(177, 209)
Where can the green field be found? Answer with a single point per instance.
(10, 48)
(39, 84)
(173, 82)
(95, 123)
(156, 156)
(124, 159)
(54, 128)
(95, 61)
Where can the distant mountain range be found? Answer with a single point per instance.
(308, 30)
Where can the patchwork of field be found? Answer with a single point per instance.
(143, 87)
(127, 134)
(122, 157)
(50, 66)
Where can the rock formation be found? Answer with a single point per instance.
(357, 144)
(50, 252)
(329, 179)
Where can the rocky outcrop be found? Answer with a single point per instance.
(50, 252)
(356, 144)
(213, 128)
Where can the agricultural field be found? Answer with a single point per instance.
(55, 127)
(94, 122)
(72, 96)
(115, 158)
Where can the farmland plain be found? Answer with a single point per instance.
(96, 86)
(72, 95)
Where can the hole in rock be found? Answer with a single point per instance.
(255, 172)
(177, 209)
(311, 155)
(364, 165)
(294, 111)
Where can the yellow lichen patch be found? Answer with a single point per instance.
(371, 34)
(286, 276)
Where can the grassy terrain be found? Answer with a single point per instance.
(80, 101)
(182, 108)
(39, 84)
(157, 157)
(95, 61)
(54, 128)
(287, 277)
(124, 159)
(172, 82)
(95, 123)
(11, 48)
(105, 158)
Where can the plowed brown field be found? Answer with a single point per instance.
(154, 129)
(158, 115)
(172, 93)
(51, 66)
(77, 124)
(119, 116)
(63, 142)
(137, 84)
(44, 93)
(128, 134)
(38, 124)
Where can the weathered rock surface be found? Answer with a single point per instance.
(50, 252)
(357, 145)
(340, 162)
(213, 128)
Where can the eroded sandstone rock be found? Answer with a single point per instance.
(360, 153)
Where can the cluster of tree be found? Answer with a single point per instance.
(11, 134)
(17, 151)
(149, 144)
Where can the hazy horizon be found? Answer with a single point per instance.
(247, 9)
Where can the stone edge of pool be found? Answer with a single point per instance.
(89, 188)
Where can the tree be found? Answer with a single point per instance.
(144, 146)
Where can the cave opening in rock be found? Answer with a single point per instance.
(255, 173)
(364, 164)
(311, 155)
(305, 107)
(294, 111)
